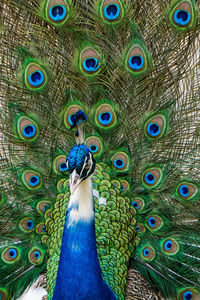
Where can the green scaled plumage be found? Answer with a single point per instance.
(133, 68)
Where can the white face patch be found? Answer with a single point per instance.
(81, 203)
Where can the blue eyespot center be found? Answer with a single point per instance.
(30, 224)
(168, 245)
(149, 178)
(137, 228)
(58, 13)
(93, 148)
(44, 229)
(36, 78)
(111, 12)
(187, 296)
(118, 163)
(46, 207)
(37, 254)
(151, 222)
(146, 252)
(63, 167)
(182, 17)
(29, 131)
(13, 253)
(135, 204)
(136, 62)
(153, 129)
(34, 180)
(184, 191)
(91, 64)
(105, 118)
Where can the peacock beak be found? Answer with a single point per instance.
(75, 180)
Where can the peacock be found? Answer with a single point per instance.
(99, 156)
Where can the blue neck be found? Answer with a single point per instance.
(79, 274)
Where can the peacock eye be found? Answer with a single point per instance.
(155, 127)
(152, 177)
(182, 15)
(31, 179)
(138, 204)
(137, 59)
(27, 224)
(90, 61)
(41, 228)
(34, 180)
(105, 116)
(10, 255)
(188, 294)
(111, 11)
(140, 228)
(42, 207)
(57, 11)
(27, 128)
(148, 253)
(35, 77)
(94, 144)
(170, 246)
(136, 62)
(60, 165)
(187, 190)
(125, 186)
(70, 112)
(120, 161)
(35, 256)
(154, 222)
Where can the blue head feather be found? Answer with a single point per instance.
(76, 157)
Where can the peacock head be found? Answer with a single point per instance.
(81, 164)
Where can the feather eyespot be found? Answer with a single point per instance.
(90, 61)
(57, 11)
(140, 228)
(111, 11)
(27, 128)
(71, 111)
(35, 77)
(183, 15)
(31, 179)
(187, 190)
(27, 224)
(188, 294)
(170, 246)
(138, 203)
(154, 222)
(10, 255)
(41, 229)
(60, 165)
(137, 60)
(3, 294)
(125, 186)
(148, 253)
(120, 161)
(94, 144)
(35, 256)
(155, 127)
(43, 206)
(105, 116)
(152, 177)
